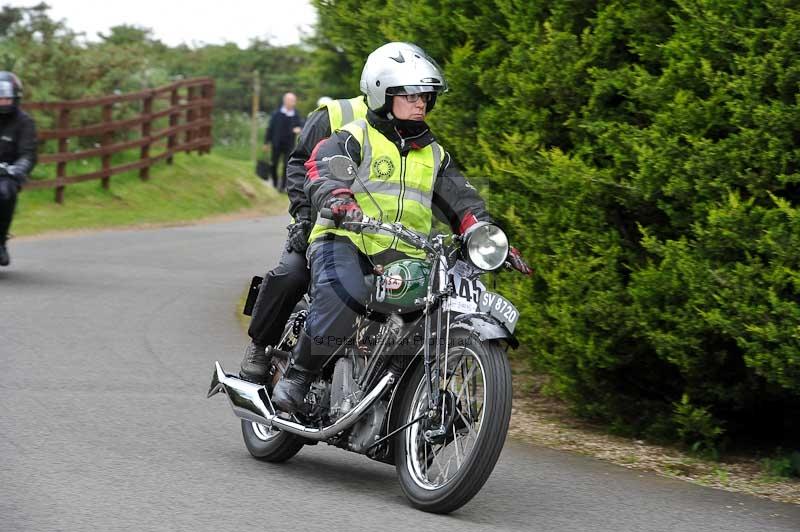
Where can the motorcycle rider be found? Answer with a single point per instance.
(17, 153)
(283, 286)
(410, 177)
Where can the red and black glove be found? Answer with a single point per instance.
(517, 262)
(344, 208)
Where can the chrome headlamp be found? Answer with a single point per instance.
(485, 246)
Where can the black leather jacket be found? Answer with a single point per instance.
(316, 129)
(17, 145)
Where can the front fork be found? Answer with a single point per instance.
(431, 357)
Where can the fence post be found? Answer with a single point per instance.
(254, 116)
(212, 93)
(190, 114)
(108, 138)
(144, 153)
(207, 92)
(63, 147)
(174, 116)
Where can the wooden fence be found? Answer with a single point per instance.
(184, 106)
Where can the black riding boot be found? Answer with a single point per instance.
(255, 365)
(4, 258)
(290, 392)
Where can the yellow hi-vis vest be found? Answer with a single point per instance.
(401, 185)
(341, 112)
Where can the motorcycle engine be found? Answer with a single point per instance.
(345, 391)
(368, 428)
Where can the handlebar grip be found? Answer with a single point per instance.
(326, 213)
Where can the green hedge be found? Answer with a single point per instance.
(644, 155)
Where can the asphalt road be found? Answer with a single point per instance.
(107, 344)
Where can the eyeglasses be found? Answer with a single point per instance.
(414, 98)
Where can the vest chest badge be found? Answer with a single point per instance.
(383, 167)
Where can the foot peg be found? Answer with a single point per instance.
(277, 353)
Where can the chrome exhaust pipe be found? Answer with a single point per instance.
(251, 402)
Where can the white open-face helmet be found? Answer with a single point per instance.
(400, 68)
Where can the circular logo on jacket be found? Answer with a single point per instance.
(383, 167)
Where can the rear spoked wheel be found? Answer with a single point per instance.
(266, 443)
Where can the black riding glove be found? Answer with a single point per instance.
(298, 235)
(8, 187)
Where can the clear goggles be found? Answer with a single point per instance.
(6, 89)
(404, 90)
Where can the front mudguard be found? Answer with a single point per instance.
(485, 326)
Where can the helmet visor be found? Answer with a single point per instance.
(417, 89)
(6, 89)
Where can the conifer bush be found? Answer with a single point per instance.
(644, 156)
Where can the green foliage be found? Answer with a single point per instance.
(232, 133)
(697, 427)
(782, 465)
(56, 63)
(645, 156)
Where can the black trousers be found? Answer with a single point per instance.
(8, 200)
(280, 291)
(280, 156)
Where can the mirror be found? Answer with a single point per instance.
(342, 167)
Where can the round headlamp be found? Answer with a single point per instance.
(485, 246)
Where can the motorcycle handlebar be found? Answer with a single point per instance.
(400, 231)
(377, 225)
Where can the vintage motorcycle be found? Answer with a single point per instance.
(423, 383)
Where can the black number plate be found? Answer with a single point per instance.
(500, 308)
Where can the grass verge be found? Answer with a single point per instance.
(192, 188)
(244, 321)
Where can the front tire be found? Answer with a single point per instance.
(440, 475)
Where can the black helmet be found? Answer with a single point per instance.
(10, 87)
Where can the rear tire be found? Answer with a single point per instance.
(270, 445)
(473, 451)
(265, 443)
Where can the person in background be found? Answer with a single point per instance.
(284, 124)
(17, 153)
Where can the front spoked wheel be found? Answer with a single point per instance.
(444, 460)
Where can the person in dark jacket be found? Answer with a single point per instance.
(284, 286)
(408, 176)
(284, 124)
(17, 153)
